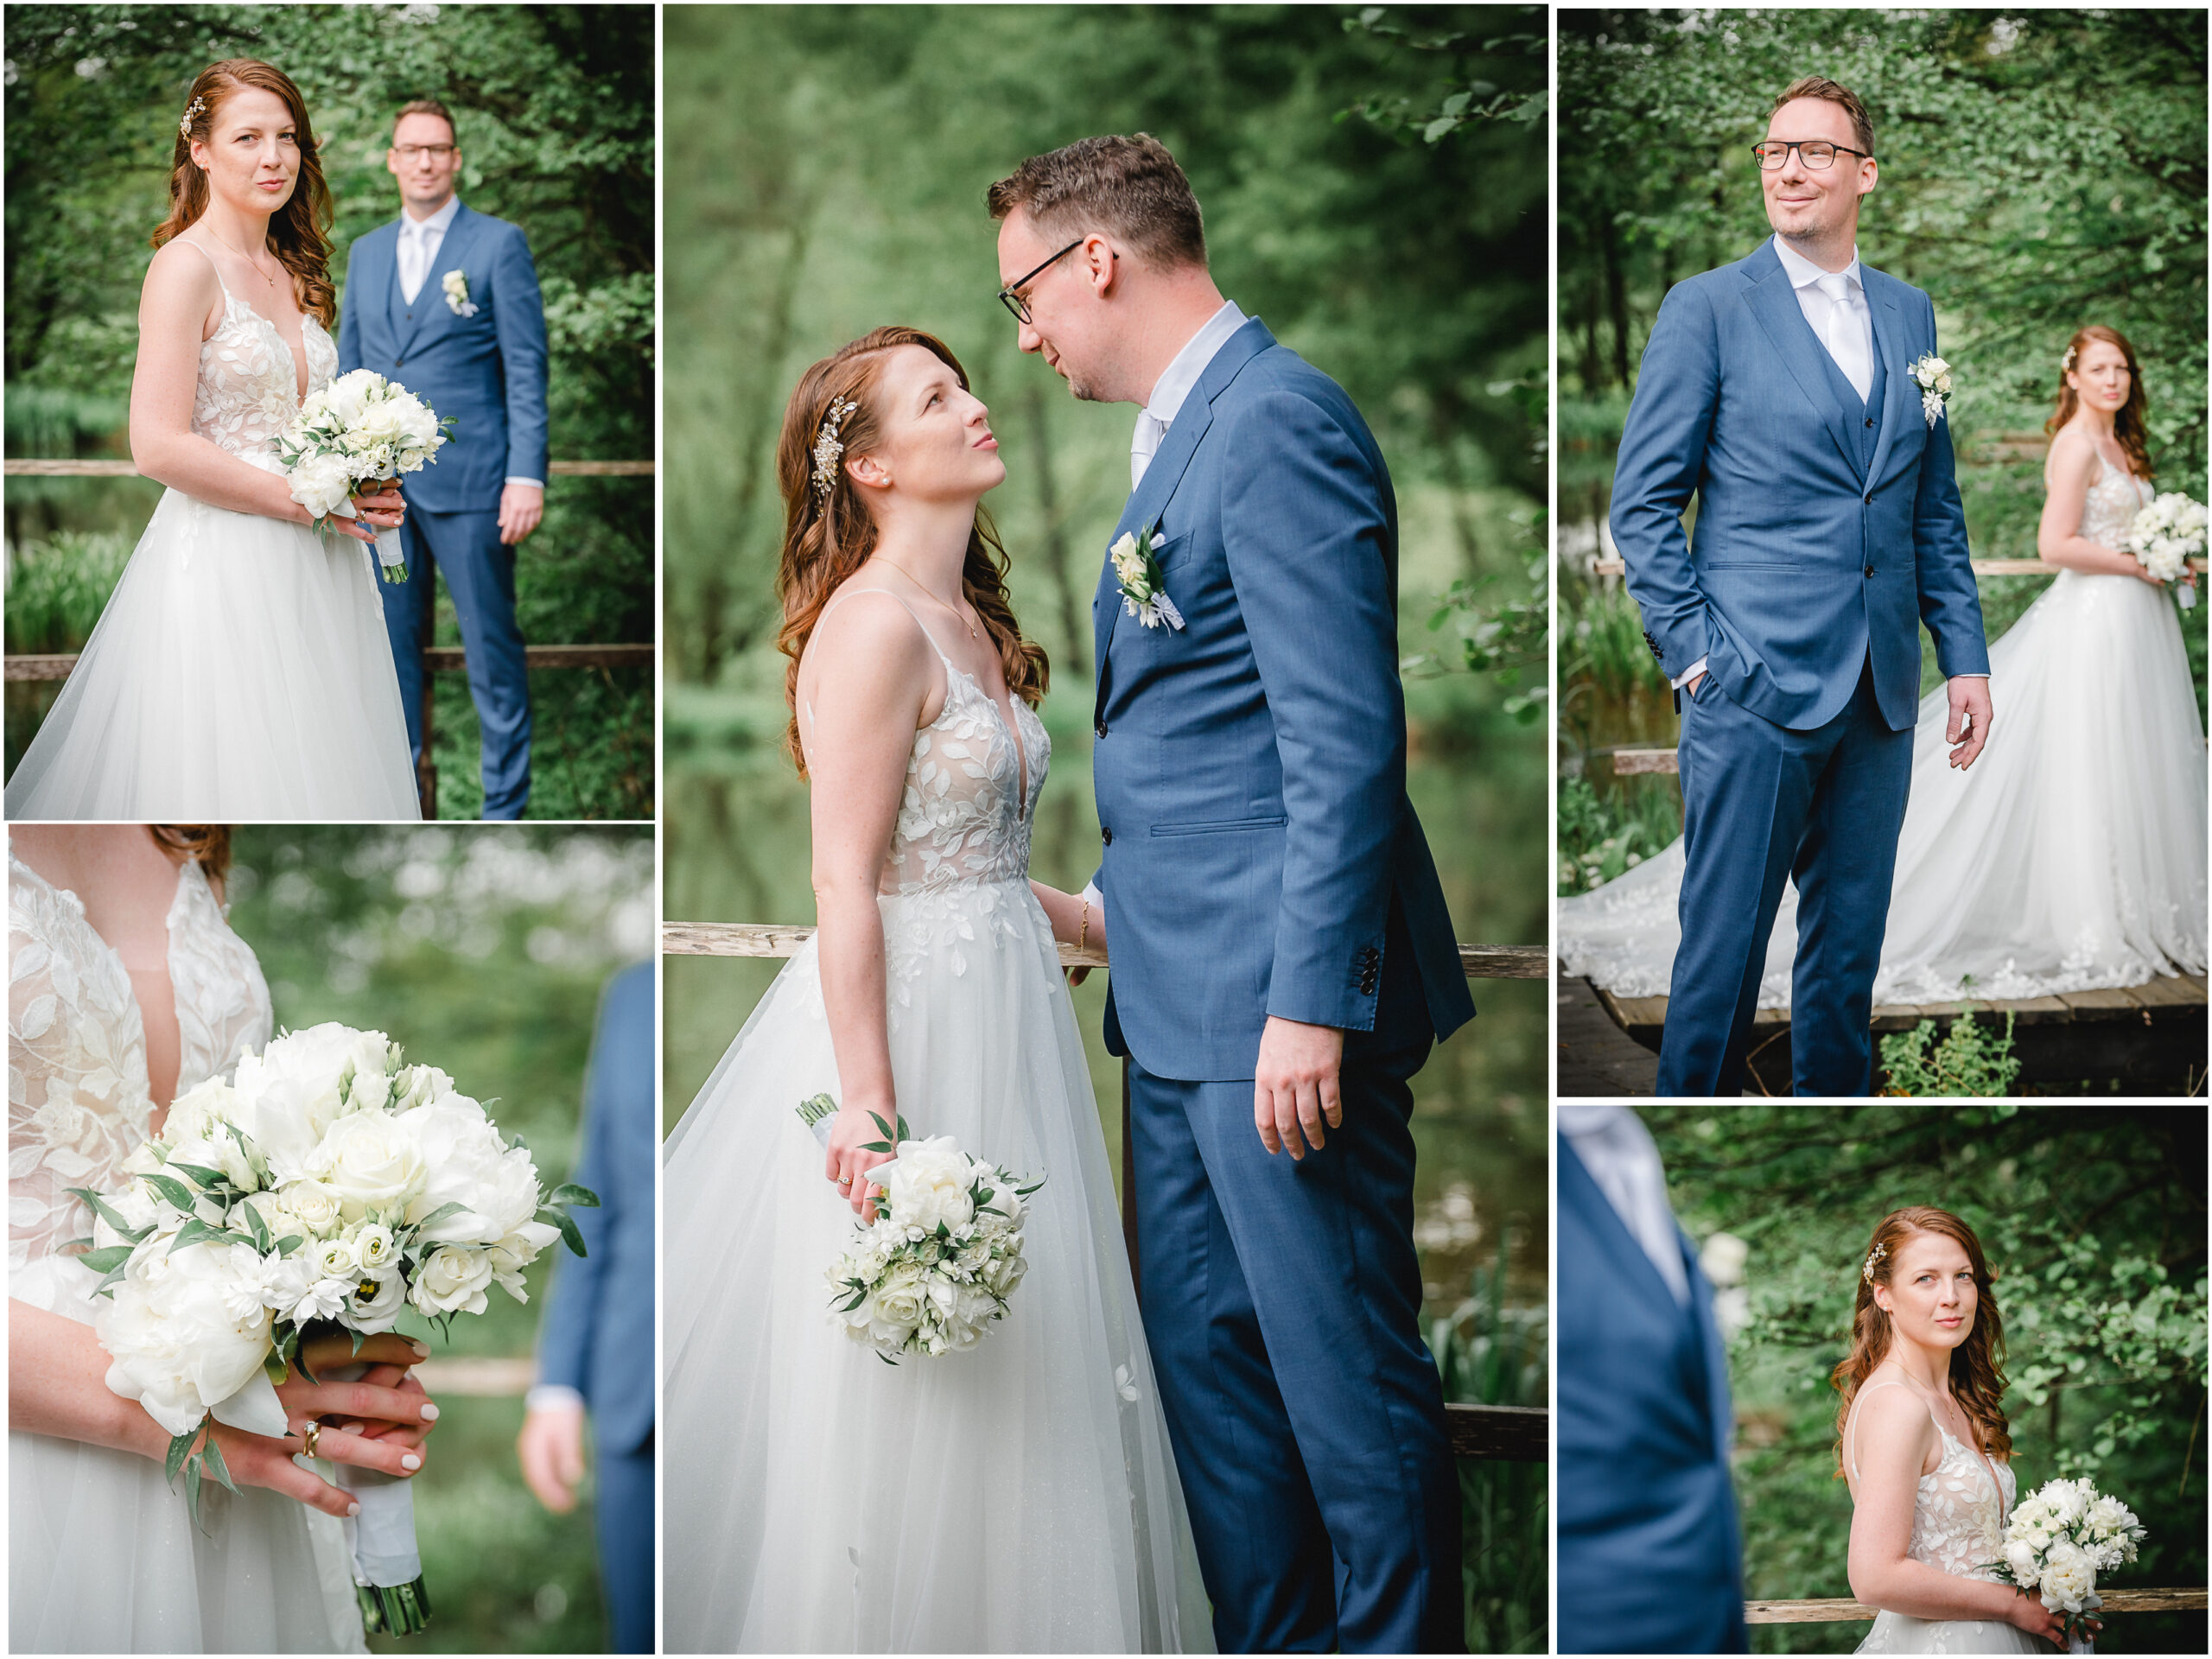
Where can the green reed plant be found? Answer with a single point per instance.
(57, 589)
(1601, 836)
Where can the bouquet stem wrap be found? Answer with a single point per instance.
(387, 1566)
(391, 563)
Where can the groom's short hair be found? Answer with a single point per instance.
(428, 106)
(1834, 93)
(1129, 187)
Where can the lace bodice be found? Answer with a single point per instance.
(78, 1097)
(2111, 505)
(1957, 1515)
(249, 383)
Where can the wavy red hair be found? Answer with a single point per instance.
(828, 537)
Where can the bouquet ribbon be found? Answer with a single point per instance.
(387, 1565)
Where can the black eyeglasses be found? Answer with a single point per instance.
(1816, 153)
(1011, 295)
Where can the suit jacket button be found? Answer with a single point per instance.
(1869, 569)
(1105, 835)
(1870, 500)
(1100, 728)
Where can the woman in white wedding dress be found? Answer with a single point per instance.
(1022, 1496)
(127, 987)
(241, 669)
(2071, 857)
(1922, 1435)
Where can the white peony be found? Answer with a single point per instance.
(927, 1185)
(200, 1113)
(178, 1344)
(462, 1154)
(453, 1280)
(321, 484)
(2020, 1556)
(2067, 1578)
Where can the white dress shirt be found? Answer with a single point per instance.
(419, 242)
(1834, 304)
(1617, 1151)
(1174, 385)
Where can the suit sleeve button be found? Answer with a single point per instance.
(1100, 728)
(1105, 835)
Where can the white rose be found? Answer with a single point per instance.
(200, 1113)
(334, 1258)
(314, 1205)
(899, 1296)
(177, 1346)
(374, 1248)
(373, 1163)
(452, 1282)
(928, 1186)
(418, 1085)
(375, 1303)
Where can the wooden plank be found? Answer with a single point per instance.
(1505, 961)
(41, 668)
(26, 466)
(1628, 763)
(2107, 1004)
(2168, 993)
(1502, 1433)
(1842, 1610)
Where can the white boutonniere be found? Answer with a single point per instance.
(456, 287)
(1932, 374)
(1144, 595)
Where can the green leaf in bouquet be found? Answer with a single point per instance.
(173, 1190)
(209, 1179)
(290, 1242)
(876, 1146)
(192, 1491)
(108, 1213)
(273, 1366)
(888, 1133)
(108, 1260)
(193, 1232)
(179, 1447)
(212, 1456)
(83, 1243)
(358, 1339)
(570, 1232)
(569, 1192)
(453, 1208)
(258, 1228)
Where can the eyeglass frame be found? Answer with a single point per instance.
(438, 152)
(1010, 295)
(1798, 144)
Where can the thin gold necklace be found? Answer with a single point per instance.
(248, 257)
(910, 576)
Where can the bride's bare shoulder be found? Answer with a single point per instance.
(866, 641)
(181, 283)
(1888, 1417)
(2072, 452)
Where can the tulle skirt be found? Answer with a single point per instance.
(240, 673)
(103, 1556)
(2071, 856)
(1900, 1633)
(1020, 1496)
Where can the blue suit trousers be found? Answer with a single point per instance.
(1763, 803)
(625, 1513)
(1282, 1302)
(479, 573)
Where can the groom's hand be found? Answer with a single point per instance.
(1970, 714)
(521, 505)
(1296, 1087)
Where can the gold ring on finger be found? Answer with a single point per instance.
(315, 1433)
(844, 1180)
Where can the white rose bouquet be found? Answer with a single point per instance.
(2059, 1538)
(358, 428)
(326, 1183)
(2168, 531)
(936, 1266)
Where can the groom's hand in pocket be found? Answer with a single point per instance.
(1968, 727)
(1295, 1092)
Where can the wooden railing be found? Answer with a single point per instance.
(1841, 1612)
(1501, 1433)
(436, 659)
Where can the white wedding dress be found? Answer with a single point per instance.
(240, 672)
(102, 1554)
(1958, 1527)
(2071, 856)
(1019, 1497)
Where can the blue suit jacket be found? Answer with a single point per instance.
(1650, 1557)
(1820, 543)
(1250, 766)
(486, 371)
(597, 1334)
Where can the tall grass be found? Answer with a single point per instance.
(57, 589)
(1489, 1353)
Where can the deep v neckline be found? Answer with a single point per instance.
(169, 968)
(302, 372)
(1006, 724)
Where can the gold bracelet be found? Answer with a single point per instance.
(1083, 934)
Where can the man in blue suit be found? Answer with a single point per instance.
(445, 301)
(1282, 960)
(595, 1349)
(1649, 1557)
(1780, 389)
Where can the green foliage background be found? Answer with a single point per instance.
(482, 951)
(555, 105)
(2093, 1220)
(2039, 170)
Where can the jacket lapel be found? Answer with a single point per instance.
(384, 272)
(1773, 302)
(1169, 462)
(1894, 387)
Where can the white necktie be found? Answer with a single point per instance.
(1847, 336)
(1145, 444)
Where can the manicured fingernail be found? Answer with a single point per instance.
(351, 1428)
(411, 1461)
(430, 1414)
(352, 1509)
(422, 1349)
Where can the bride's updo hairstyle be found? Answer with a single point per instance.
(830, 533)
(1977, 1374)
(2128, 424)
(299, 231)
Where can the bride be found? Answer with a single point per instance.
(241, 668)
(2072, 856)
(1922, 1436)
(126, 988)
(1020, 1496)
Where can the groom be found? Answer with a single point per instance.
(445, 301)
(1779, 390)
(1282, 960)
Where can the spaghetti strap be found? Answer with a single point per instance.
(1851, 1427)
(212, 265)
(901, 604)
